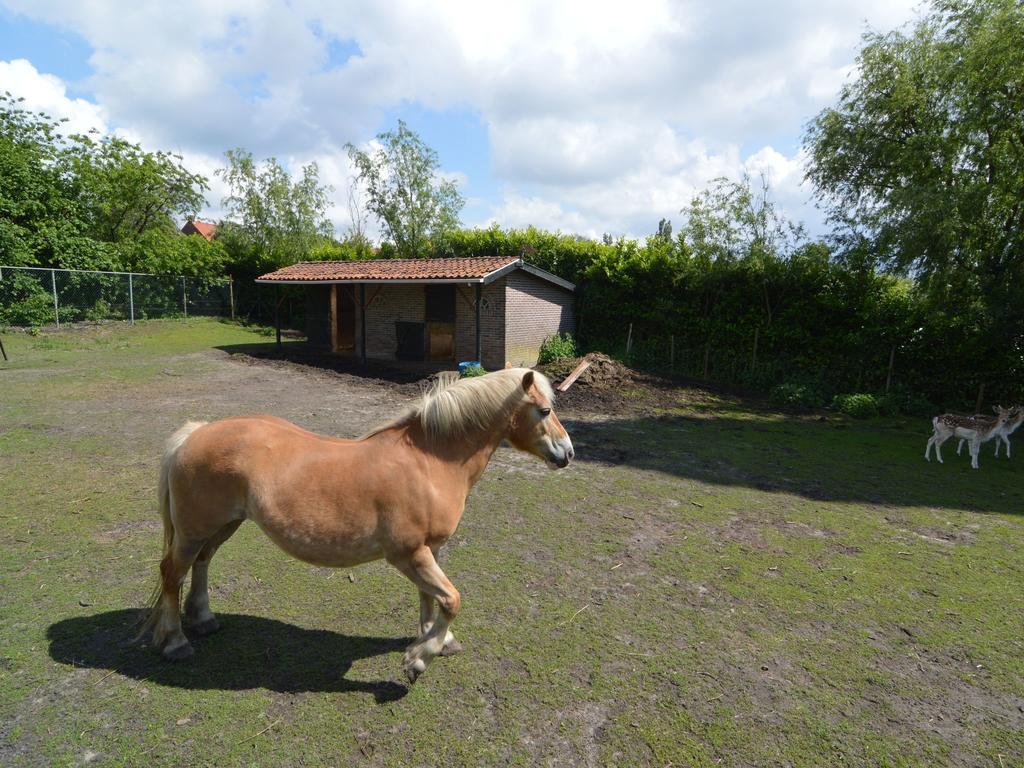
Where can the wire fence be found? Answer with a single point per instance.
(35, 296)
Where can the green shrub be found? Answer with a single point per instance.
(557, 347)
(805, 395)
(859, 406)
(902, 402)
(473, 370)
(24, 301)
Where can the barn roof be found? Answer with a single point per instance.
(472, 269)
(204, 228)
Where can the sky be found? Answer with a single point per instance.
(579, 116)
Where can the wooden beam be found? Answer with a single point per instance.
(333, 315)
(571, 378)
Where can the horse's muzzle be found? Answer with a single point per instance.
(563, 453)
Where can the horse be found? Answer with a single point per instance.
(396, 493)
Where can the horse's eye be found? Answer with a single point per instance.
(544, 412)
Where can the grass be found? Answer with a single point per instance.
(711, 585)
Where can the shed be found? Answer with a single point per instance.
(493, 309)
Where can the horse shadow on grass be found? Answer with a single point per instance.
(248, 652)
(822, 457)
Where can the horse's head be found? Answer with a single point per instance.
(536, 429)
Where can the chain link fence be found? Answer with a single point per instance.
(34, 296)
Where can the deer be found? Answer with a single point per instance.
(972, 430)
(1004, 435)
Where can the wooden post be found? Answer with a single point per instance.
(184, 298)
(362, 323)
(2, 350)
(231, 295)
(888, 376)
(56, 310)
(131, 299)
(707, 356)
(753, 357)
(479, 346)
(332, 317)
(981, 398)
(277, 315)
(629, 340)
(672, 354)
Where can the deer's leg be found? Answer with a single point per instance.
(959, 446)
(939, 440)
(1007, 441)
(975, 448)
(422, 570)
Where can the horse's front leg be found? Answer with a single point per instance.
(422, 569)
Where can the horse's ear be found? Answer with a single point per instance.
(527, 381)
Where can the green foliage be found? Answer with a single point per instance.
(275, 221)
(557, 347)
(404, 191)
(473, 370)
(24, 301)
(922, 158)
(805, 395)
(79, 202)
(859, 406)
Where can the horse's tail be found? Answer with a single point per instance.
(163, 495)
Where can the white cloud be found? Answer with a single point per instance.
(601, 115)
(47, 93)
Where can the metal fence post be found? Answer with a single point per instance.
(184, 297)
(131, 299)
(56, 311)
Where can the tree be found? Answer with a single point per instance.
(411, 201)
(42, 219)
(924, 156)
(275, 221)
(730, 222)
(127, 191)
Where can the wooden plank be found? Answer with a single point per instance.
(571, 378)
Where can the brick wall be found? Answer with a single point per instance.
(534, 310)
(390, 304)
(492, 324)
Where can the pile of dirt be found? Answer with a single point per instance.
(608, 386)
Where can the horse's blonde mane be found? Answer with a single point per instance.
(453, 407)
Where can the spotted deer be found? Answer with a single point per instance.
(1015, 420)
(975, 432)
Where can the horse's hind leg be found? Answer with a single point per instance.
(167, 633)
(422, 569)
(197, 605)
(427, 611)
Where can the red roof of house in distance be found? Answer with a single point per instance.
(196, 227)
(475, 269)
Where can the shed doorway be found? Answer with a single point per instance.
(440, 317)
(346, 320)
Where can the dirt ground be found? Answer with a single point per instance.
(709, 584)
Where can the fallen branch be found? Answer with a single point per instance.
(573, 617)
(261, 732)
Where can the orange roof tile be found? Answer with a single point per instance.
(204, 228)
(466, 268)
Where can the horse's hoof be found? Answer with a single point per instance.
(207, 627)
(178, 652)
(413, 670)
(452, 647)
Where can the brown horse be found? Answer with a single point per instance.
(397, 493)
